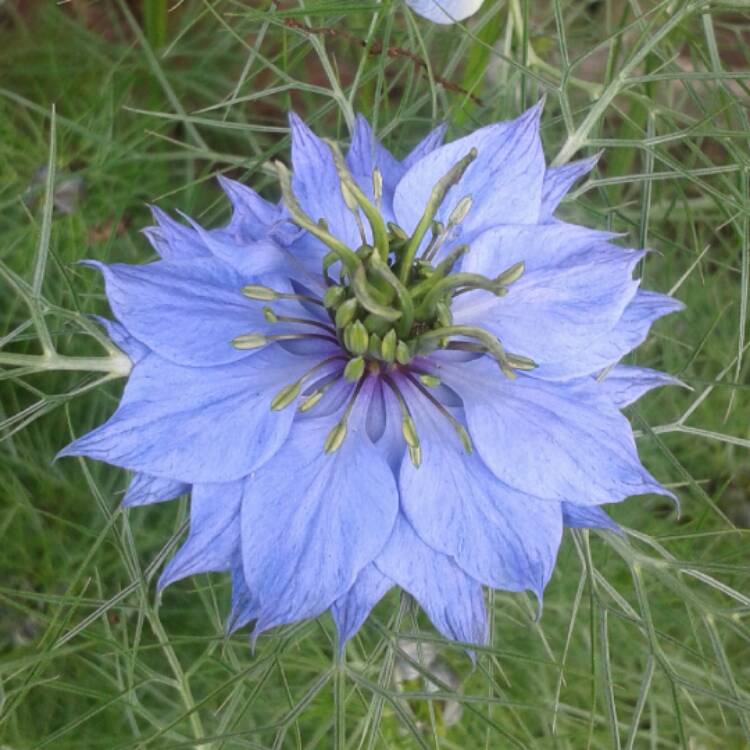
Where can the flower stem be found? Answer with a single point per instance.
(116, 364)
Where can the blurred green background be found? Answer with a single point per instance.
(643, 642)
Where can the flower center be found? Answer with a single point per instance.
(388, 301)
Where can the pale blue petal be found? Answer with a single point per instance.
(172, 240)
(187, 312)
(252, 216)
(445, 11)
(427, 145)
(214, 533)
(504, 182)
(251, 259)
(135, 350)
(366, 153)
(352, 609)
(625, 384)
(557, 441)
(198, 425)
(501, 537)
(452, 599)
(559, 180)
(244, 604)
(145, 489)
(311, 521)
(316, 184)
(629, 332)
(588, 517)
(557, 307)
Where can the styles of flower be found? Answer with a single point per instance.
(403, 374)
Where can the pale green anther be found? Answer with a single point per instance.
(263, 293)
(517, 362)
(431, 381)
(461, 211)
(373, 347)
(335, 438)
(409, 431)
(310, 401)
(358, 338)
(511, 274)
(355, 369)
(443, 314)
(388, 347)
(377, 185)
(249, 341)
(415, 454)
(285, 397)
(346, 312)
(403, 355)
(270, 315)
(349, 199)
(333, 296)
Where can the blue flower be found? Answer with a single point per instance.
(445, 11)
(404, 374)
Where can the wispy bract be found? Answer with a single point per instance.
(403, 374)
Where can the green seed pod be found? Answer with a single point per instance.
(358, 338)
(388, 347)
(354, 369)
(373, 347)
(346, 312)
(403, 354)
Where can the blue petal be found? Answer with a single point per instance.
(434, 139)
(628, 333)
(135, 350)
(452, 599)
(244, 604)
(316, 184)
(145, 489)
(252, 216)
(186, 312)
(504, 182)
(501, 537)
(366, 153)
(587, 517)
(624, 384)
(445, 11)
(214, 533)
(172, 240)
(557, 441)
(210, 424)
(575, 288)
(557, 182)
(352, 609)
(311, 521)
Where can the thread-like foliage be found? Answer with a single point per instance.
(643, 640)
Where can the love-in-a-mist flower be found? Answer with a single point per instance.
(445, 11)
(393, 377)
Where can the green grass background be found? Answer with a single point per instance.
(643, 641)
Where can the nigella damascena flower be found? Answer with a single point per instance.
(391, 378)
(445, 11)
